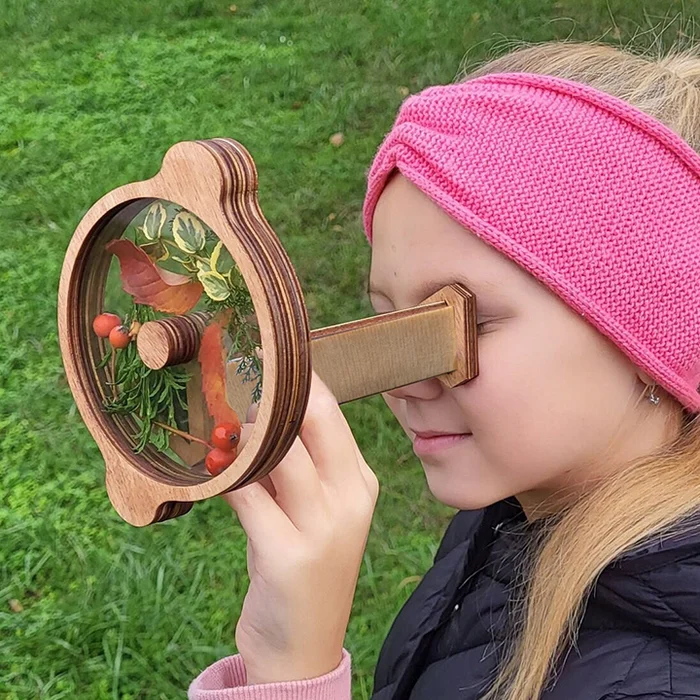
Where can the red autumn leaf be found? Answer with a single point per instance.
(152, 285)
(211, 360)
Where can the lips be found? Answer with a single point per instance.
(434, 433)
(437, 444)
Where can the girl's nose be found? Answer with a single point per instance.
(425, 389)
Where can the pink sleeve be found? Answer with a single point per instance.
(226, 678)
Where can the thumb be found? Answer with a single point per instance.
(252, 413)
(248, 425)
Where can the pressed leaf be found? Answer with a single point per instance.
(187, 263)
(153, 223)
(215, 255)
(188, 232)
(156, 250)
(215, 285)
(149, 284)
(213, 365)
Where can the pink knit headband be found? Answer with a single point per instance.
(597, 199)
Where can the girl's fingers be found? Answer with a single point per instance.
(298, 487)
(329, 440)
(294, 483)
(267, 483)
(325, 426)
(324, 454)
(252, 413)
(259, 514)
(368, 475)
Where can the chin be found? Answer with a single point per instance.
(465, 499)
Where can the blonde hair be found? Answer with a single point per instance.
(646, 498)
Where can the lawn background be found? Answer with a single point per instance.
(92, 94)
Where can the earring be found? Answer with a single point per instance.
(652, 396)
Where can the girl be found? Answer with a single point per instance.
(559, 183)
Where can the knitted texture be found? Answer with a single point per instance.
(592, 196)
(226, 680)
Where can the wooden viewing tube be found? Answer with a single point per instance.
(435, 338)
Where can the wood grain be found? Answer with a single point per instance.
(171, 341)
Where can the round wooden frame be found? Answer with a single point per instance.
(217, 181)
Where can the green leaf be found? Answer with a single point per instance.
(156, 251)
(215, 286)
(215, 255)
(187, 263)
(204, 266)
(153, 223)
(188, 232)
(103, 362)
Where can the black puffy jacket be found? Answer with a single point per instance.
(639, 636)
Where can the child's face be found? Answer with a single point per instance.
(551, 391)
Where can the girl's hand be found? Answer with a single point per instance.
(307, 524)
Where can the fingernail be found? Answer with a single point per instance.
(252, 413)
(246, 430)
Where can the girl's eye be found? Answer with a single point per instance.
(479, 326)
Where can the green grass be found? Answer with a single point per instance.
(92, 94)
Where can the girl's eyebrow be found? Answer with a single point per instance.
(428, 288)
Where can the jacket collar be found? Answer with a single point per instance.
(655, 586)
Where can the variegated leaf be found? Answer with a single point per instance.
(215, 255)
(188, 232)
(215, 286)
(153, 223)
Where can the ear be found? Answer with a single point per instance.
(644, 377)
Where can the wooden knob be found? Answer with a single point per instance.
(171, 341)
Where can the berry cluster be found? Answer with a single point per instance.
(110, 326)
(225, 438)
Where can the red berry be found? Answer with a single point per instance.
(119, 337)
(103, 324)
(225, 436)
(217, 460)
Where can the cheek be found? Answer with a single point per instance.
(540, 409)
